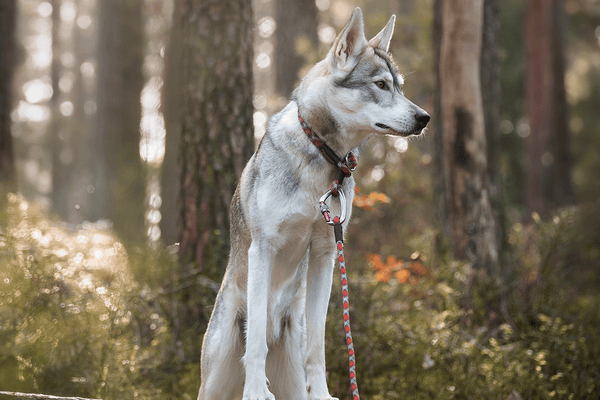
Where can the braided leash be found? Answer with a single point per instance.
(339, 240)
(346, 310)
(345, 168)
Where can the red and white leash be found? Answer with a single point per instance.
(345, 167)
(339, 240)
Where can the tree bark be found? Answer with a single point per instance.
(295, 19)
(561, 189)
(171, 107)
(217, 128)
(548, 179)
(120, 174)
(439, 179)
(60, 165)
(70, 137)
(469, 214)
(8, 15)
(491, 98)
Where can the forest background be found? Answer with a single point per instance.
(473, 252)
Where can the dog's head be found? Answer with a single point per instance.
(364, 88)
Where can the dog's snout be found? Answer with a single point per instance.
(423, 118)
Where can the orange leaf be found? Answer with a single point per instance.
(364, 202)
(382, 276)
(375, 259)
(391, 261)
(418, 267)
(380, 197)
(402, 275)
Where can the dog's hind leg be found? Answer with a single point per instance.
(222, 350)
(285, 362)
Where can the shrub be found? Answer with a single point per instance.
(426, 338)
(81, 317)
(73, 321)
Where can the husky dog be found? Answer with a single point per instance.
(265, 338)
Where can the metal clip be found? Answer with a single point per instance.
(351, 161)
(325, 209)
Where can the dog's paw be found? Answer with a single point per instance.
(322, 396)
(266, 396)
(258, 394)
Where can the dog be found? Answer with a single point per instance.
(265, 338)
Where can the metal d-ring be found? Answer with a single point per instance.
(325, 209)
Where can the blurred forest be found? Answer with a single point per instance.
(473, 253)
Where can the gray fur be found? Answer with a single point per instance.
(265, 339)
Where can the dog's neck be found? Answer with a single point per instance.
(346, 163)
(322, 122)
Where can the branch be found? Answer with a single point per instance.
(42, 396)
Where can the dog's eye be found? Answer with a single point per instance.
(381, 84)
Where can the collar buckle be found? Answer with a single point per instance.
(351, 161)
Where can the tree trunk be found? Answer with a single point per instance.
(560, 187)
(296, 19)
(439, 178)
(8, 15)
(120, 174)
(61, 153)
(70, 136)
(469, 214)
(171, 107)
(491, 97)
(548, 158)
(217, 128)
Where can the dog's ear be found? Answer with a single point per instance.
(350, 42)
(383, 38)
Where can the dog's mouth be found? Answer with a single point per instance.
(397, 132)
(385, 127)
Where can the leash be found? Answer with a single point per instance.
(345, 168)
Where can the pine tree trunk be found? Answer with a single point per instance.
(539, 15)
(561, 186)
(8, 15)
(548, 157)
(120, 175)
(171, 107)
(295, 19)
(217, 129)
(491, 97)
(71, 137)
(469, 214)
(60, 160)
(439, 178)
(128, 197)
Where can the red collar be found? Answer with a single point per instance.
(345, 166)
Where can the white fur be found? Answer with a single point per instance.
(265, 338)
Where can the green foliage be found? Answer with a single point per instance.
(433, 339)
(78, 316)
(81, 317)
(74, 321)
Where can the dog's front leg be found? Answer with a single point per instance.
(318, 290)
(259, 281)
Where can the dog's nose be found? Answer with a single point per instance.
(423, 118)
